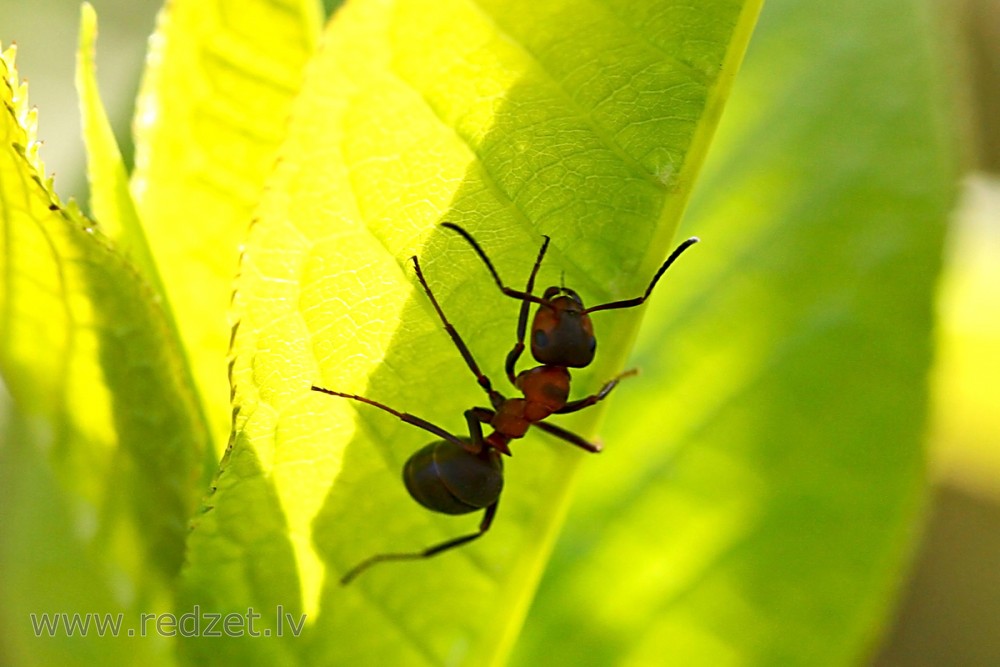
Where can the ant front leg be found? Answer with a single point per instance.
(582, 403)
(484, 526)
(522, 320)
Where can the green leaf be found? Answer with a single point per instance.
(104, 417)
(762, 480)
(110, 198)
(49, 573)
(587, 123)
(211, 113)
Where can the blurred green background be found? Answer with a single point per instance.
(947, 614)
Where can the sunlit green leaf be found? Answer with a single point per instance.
(110, 199)
(211, 113)
(104, 462)
(585, 122)
(762, 479)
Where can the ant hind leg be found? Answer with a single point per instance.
(484, 526)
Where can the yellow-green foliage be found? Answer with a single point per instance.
(761, 477)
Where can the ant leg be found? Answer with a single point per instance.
(484, 381)
(569, 436)
(484, 526)
(475, 422)
(406, 417)
(632, 303)
(475, 418)
(478, 416)
(582, 403)
(522, 320)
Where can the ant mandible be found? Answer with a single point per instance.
(457, 475)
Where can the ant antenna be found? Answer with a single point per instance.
(630, 303)
(523, 296)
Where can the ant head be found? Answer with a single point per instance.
(561, 333)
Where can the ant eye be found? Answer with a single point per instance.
(540, 338)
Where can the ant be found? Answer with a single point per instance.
(460, 475)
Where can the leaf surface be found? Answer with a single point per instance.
(764, 476)
(110, 198)
(211, 113)
(586, 123)
(104, 463)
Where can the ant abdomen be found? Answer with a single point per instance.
(447, 478)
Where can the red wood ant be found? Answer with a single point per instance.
(459, 475)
